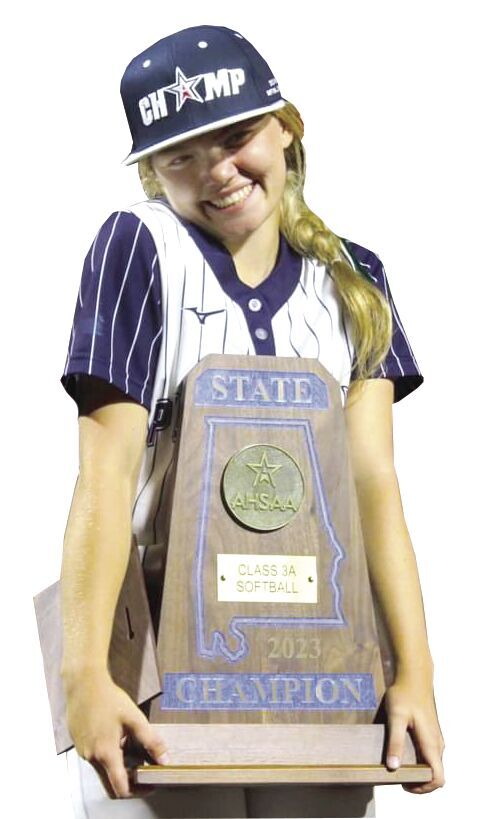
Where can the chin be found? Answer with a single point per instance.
(239, 232)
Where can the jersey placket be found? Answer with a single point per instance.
(259, 321)
(258, 304)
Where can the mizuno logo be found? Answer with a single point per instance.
(203, 316)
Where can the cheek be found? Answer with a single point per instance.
(277, 168)
(182, 199)
(267, 161)
(274, 152)
(174, 192)
(158, 181)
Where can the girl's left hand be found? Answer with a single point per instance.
(410, 706)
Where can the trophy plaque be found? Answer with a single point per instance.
(269, 659)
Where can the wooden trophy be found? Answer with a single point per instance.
(268, 653)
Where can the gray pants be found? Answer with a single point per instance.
(90, 800)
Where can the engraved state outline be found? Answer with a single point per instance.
(218, 643)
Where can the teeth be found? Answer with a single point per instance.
(233, 198)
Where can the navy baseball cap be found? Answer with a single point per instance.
(191, 82)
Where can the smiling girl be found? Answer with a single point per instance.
(223, 257)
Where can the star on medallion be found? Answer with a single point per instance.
(264, 471)
(184, 88)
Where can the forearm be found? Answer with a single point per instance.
(98, 534)
(393, 573)
(95, 558)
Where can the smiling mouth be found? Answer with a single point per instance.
(233, 198)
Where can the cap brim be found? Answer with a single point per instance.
(134, 156)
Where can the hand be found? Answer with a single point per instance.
(101, 717)
(412, 707)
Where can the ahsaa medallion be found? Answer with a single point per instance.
(262, 487)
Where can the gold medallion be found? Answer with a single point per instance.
(262, 487)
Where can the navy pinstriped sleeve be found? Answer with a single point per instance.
(117, 326)
(400, 364)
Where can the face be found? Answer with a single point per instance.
(230, 181)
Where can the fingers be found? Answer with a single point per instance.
(145, 734)
(437, 781)
(110, 762)
(397, 728)
(108, 759)
(430, 749)
(109, 765)
(102, 718)
(105, 740)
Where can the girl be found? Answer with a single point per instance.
(221, 161)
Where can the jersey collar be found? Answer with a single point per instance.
(273, 291)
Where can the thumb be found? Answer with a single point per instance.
(148, 738)
(397, 728)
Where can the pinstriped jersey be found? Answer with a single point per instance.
(158, 294)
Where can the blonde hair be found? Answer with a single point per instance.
(366, 307)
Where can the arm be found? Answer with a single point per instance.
(96, 552)
(393, 574)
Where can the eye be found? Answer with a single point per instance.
(178, 161)
(238, 138)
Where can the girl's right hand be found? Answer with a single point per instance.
(101, 717)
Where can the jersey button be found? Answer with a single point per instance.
(255, 305)
(261, 334)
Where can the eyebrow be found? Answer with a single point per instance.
(244, 123)
(220, 132)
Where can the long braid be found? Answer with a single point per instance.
(368, 310)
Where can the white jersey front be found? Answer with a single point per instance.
(158, 294)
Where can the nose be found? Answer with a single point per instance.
(219, 165)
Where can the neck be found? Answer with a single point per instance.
(255, 257)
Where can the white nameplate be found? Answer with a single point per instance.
(267, 578)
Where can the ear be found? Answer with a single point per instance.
(286, 136)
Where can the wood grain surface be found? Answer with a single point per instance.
(276, 744)
(319, 775)
(278, 754)
(348, 647)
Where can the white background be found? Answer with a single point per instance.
(387, 91)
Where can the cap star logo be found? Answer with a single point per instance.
(264, 471)
(184, 88)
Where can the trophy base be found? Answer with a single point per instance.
(241, 754)
(280, 775)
